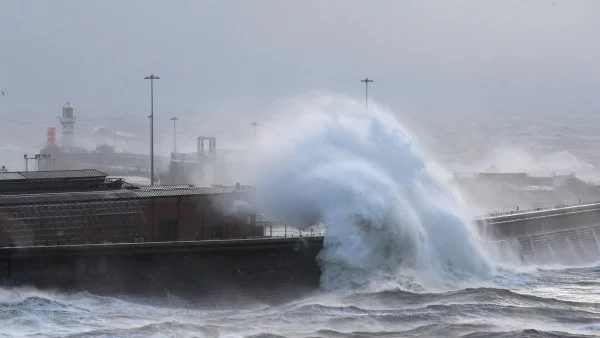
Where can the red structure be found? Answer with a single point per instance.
(51, 137)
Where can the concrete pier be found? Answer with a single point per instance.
(565, 235)
(542, 221)
(266, 270)
(215, 271)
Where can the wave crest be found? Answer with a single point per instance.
(389, 216)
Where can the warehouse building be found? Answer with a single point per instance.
(68, 207)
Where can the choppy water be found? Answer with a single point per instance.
(539, 303)
(400, 257)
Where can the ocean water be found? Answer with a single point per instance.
(561, 302)
(400, 256)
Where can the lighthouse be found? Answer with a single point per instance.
(68, 121)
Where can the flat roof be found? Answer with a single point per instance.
(49, 175)
(123, 194)
(158, 191)
(22, 182)
(63, 174)
(12, 176)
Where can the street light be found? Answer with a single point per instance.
(174, 119)
(366, 81)
(254, 124)
(152, 77)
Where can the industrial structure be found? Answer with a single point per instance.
(192, 167)
(78, 230)
(84, 207)
(180, 168)
(66, 155)
(200, 167)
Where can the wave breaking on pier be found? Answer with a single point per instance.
(389, 216)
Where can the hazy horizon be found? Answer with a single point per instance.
(458, 73)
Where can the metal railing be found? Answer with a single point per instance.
(286, 231)
(526, 210)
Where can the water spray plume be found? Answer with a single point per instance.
(387, 212)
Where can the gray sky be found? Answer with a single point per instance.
(223, 63)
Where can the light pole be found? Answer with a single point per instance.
(254, 124)
(115, 136)
(174, 119)
(366, 81)
(151, 77)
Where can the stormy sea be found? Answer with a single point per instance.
(401, 256)
(561, 302)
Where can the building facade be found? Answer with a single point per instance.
(83, 207)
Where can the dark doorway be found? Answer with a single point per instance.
(217, 231)
(168, 230)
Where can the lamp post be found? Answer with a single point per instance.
(174, 119)
(366, 81)
(151, 77)
(254, 124)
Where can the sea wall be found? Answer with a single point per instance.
(215, 271)
(267, 270)
(541, 222)
(568, 235)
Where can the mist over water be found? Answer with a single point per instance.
(389, 218)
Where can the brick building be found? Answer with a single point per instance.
(84, 207)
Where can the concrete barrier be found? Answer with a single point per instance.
(213, 272)
(542, 221)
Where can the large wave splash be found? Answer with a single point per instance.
(388, 215)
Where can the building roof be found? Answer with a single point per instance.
(11, 176)
(53, 181)
(158, 191)
(54, 174)
(143, 193)
(65, 197)
(63, 174)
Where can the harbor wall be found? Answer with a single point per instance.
(541, 221)
(219, 271)
(567, 235)
(265, 270)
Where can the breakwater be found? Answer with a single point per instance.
(564, 235)
(267, 269)
(217, 271)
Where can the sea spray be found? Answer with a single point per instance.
(388, 215)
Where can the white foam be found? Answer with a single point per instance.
(389, 216)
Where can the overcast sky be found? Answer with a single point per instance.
(228, 61)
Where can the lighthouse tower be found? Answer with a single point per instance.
(68, 121)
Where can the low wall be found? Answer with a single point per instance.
(567, 235)
(220, 271)
(540, 222)
(575, 246)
